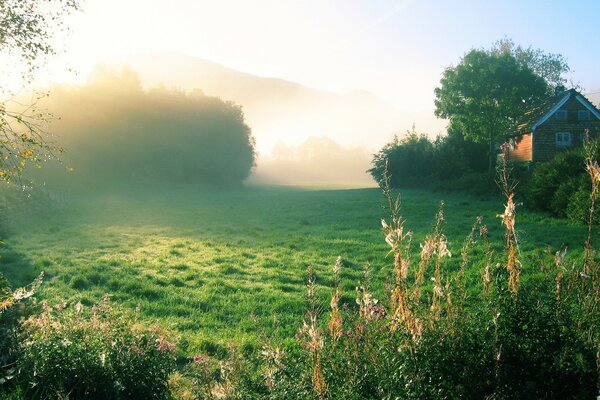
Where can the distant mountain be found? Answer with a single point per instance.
(276, 109)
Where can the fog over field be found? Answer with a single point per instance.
(301, 136)
(290, 121)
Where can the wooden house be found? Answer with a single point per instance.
(556, 125)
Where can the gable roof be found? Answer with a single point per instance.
(546, 109)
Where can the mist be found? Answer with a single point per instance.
(318, 161)
(143, 125)
(118, 136)
(276, 109)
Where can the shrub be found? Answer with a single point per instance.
(95, 353)
(560, 186)
(410, 160)
(448, 163)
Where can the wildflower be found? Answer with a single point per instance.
(164, 345)
(427, 248)
(560, 257)
(594, 171)
(508, 218)
(443, 247)
(384, 224)
(200, 359)
(483, 230)
(310, 335)
(584, 275)
(338, 266)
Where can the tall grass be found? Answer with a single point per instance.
(531, 331)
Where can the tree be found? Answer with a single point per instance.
(152, 140)
(487, 94)
(409, 160)
(549, 66)
(27, 28)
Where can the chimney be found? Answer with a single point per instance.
(559, 89)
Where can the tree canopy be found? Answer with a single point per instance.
(486, 95)
(549, 66)
(27, 28)
(118, 136)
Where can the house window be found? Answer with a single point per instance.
(563, 139)
(561, 115)
(583, 115)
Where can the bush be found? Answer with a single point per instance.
(410, 160)
(578, 208)
(561, 187)
(95, 353)
(447, 163)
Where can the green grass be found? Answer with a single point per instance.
(230, 266)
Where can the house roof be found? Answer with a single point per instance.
(544, 110)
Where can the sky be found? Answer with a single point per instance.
(394, 49)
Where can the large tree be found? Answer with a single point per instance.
(486, 95)
(550, 66)
(27, 30)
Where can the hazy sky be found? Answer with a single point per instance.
(394, 49)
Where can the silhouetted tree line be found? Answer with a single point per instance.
(117, 135)
(417, 161)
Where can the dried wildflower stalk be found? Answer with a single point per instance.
(311, 336)
(273, 358)
(399, 241)
(513, 265)
(486, 277)
(591, 267)
(9, 299)
(440, 249)
(593, 169)
(335, 320)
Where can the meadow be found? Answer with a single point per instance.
(230, 266)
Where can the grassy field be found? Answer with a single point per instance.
(230, 266)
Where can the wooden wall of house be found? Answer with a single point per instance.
(522, 150)
(545, 135)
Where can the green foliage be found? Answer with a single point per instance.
(450, 162)
(27, 29)
(549, 66)
(244, 251)
(123, 137)
(486, 95)
(92, 353)
(561, 186)
(410, 160)
(27, 26)
(240, 258)
(455, 156)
